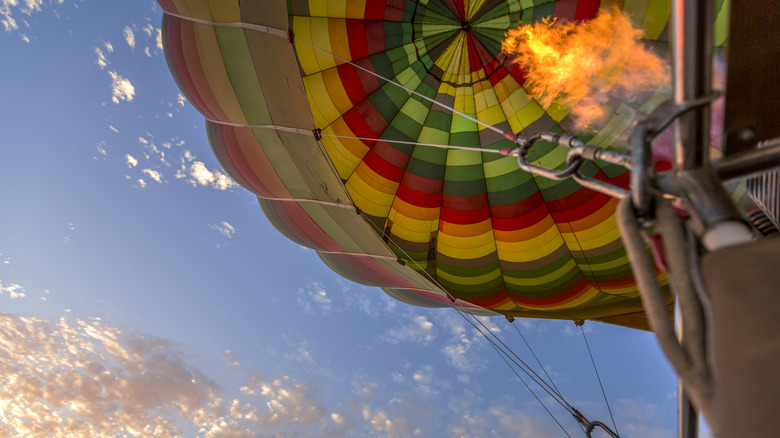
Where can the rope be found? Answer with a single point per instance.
(507, 135)
(506, 353)
(417, 143)
(689, 360)
(537, 359)
(599, 379)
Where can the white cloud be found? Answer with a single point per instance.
(101, 148)
(102, 61)
(180, 99)
(148, 29)
(13, 290)
(314, 294)
(7, 7)
(131, 162)
(153, 174)
(158, 39)
(121, 88)
(109, 47)
(224, 229)
(141, 183)
(129, 36)
(418, 330)
(201, 175)
(111, 127)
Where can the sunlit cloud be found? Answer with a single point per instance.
(8, 7)
(121, 88)
(131, 162)
(201, 175)
(102, 61)
(111, 127)
(83, 377)
(417, 330)
(153, 174)
(13, 290)
(224, 228)
(129, 36)
(314, 295)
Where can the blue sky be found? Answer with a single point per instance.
(143, 293)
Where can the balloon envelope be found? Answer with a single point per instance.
(379, 209)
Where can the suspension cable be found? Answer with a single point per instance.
(598, 377)
(506, 353)
(508, 135)
(534, 355)
(417, 143)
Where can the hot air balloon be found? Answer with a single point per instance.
(347, 118)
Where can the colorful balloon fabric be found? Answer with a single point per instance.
(331, 149)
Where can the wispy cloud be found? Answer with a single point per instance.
(121, 88)
(8, 7)
(314, 295)
(13, 290)
(102, 60)
(129, 36)
(153, 174)
(224, 228)
(418, 329)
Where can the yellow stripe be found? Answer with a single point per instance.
(337, 8)
(225, 11)
(199, 9)
(531, 249)
(466, 248)
(655, 18)
(577, 241)
(322, 108)
(368, 199)
(307, 56)
(416, 213)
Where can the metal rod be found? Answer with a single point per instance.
(687, 416)
(692, 60)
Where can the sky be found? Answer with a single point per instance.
(144, 293)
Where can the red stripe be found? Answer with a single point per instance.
(375, 10)
(382, 167)
(418, 198)
(587, 9)
(371, 116)
(580, 204)
(565, 10)
(178, 65)
(525, 219)
(474, 62)
(394, 11)
(358, 125)
(349, 79)
(423, 184)
(301, 225)
(465, 210)
(375, 37)
(356, 33)
(238, 159)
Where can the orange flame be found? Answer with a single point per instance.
(582, 65)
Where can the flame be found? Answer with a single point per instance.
(583, 65)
